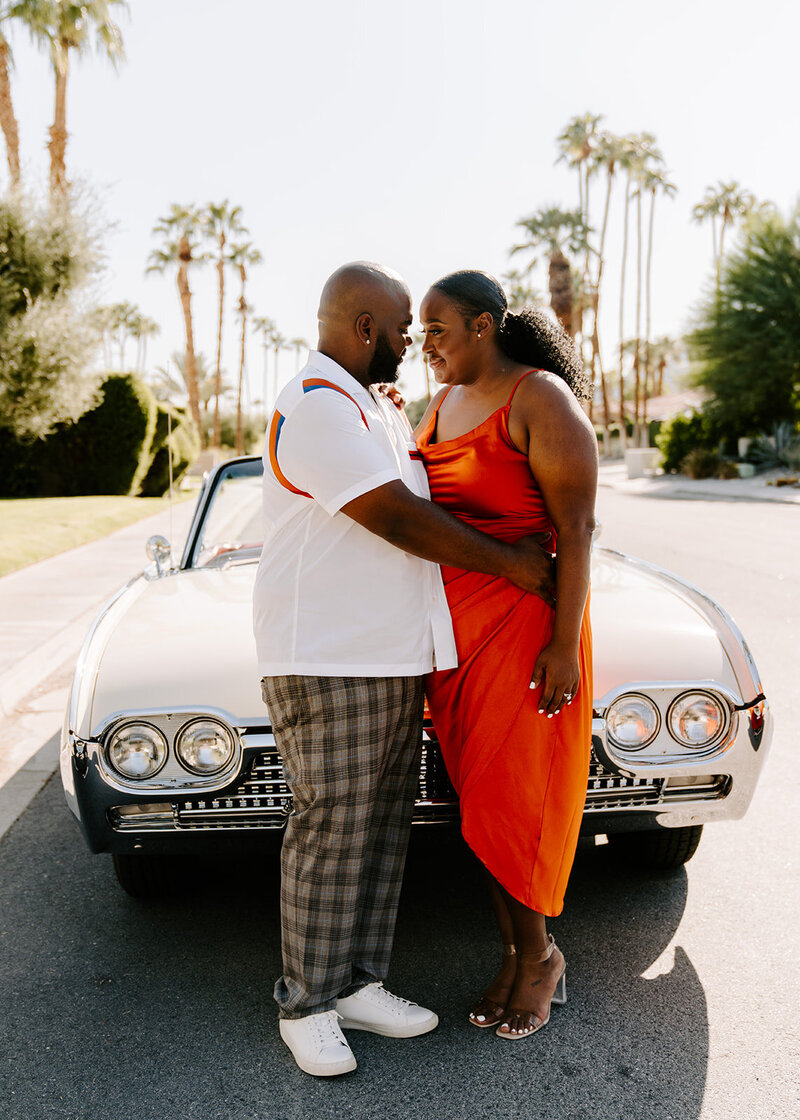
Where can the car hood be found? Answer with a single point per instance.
(186, 641)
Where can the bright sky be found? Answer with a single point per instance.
(415, 134)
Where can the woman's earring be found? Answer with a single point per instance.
(479, 334)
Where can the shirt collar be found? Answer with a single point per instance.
(336, 373)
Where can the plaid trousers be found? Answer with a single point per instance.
(351, 751)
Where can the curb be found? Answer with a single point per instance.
(20, 790)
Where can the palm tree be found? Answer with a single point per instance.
(662, 351)
(220, 222)
(298, 345)
(606, 155)
(654, 181)
(180, 247)
(168, 387)
(8, 119)
(278, 342)
(519, 291)
(728, 201)
(646, 156)
(142, 328)
(264, 326)
(556, 230)
(64, 26)
(576, 144)
(241, 256)
(628, 159)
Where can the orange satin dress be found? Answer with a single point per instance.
(521, 777)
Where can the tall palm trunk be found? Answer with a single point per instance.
(185, 293)
(243, 312)
(8, 121)
(58, 130)
(586, 283)
(597, 361)
(623, 435)
(725, 219)
(662, 365)
(637, 378)
(562, 295)
(218, 372)
(648, 303)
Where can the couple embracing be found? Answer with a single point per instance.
(399, 564)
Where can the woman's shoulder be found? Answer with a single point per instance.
(543, 395)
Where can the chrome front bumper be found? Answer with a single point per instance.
(621, 795)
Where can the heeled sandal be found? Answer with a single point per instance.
(487, 1012)
(559, 998)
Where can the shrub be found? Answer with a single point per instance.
(781, 449)
(701, 462)
(682, 435)
(47, 339)
(185, 447)
(108, 450)
(252, 430)
(727, 469)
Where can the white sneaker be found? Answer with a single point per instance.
(374, 1009)
(318, 1045)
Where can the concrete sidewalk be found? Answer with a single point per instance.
(760, 488)
(46, 610)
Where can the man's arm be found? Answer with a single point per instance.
(424, 529)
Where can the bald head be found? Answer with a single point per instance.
(363, 308)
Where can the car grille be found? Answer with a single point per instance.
(607, 790)
(262, 799)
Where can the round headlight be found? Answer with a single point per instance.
(696, 719)
(137, 750)
(204, 746)
(632, 722)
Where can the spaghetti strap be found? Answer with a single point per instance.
(516, 386)
(441, 402)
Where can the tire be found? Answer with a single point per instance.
(664, 850)
(149, 877)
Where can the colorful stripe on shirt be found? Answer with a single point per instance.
(274, 436)
(320, 383)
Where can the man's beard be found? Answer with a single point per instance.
(384, 364)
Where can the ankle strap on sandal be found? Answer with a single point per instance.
(544, 955)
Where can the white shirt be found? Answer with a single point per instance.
(331, 598)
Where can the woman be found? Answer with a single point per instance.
(508, 449)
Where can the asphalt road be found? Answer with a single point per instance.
(682, 989)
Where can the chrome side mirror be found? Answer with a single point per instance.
(159, 551)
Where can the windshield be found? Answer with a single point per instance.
(231, 529)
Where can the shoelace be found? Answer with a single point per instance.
(326, 1029)
(390, 1001)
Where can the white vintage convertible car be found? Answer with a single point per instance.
(167, 748)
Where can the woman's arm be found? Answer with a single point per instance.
(562, 452)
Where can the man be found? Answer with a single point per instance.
(349, 613)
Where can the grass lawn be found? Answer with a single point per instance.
(34, 528)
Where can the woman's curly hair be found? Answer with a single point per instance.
(529, 336)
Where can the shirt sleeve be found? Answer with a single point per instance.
(326, 449)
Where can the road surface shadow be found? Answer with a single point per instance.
(164, 1009)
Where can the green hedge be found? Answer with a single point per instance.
(112, 449)
(185, 447)
(682, 435)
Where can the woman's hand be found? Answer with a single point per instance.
(557, 671)
(392, 393)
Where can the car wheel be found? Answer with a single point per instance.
(664, 850)
(150, 876)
